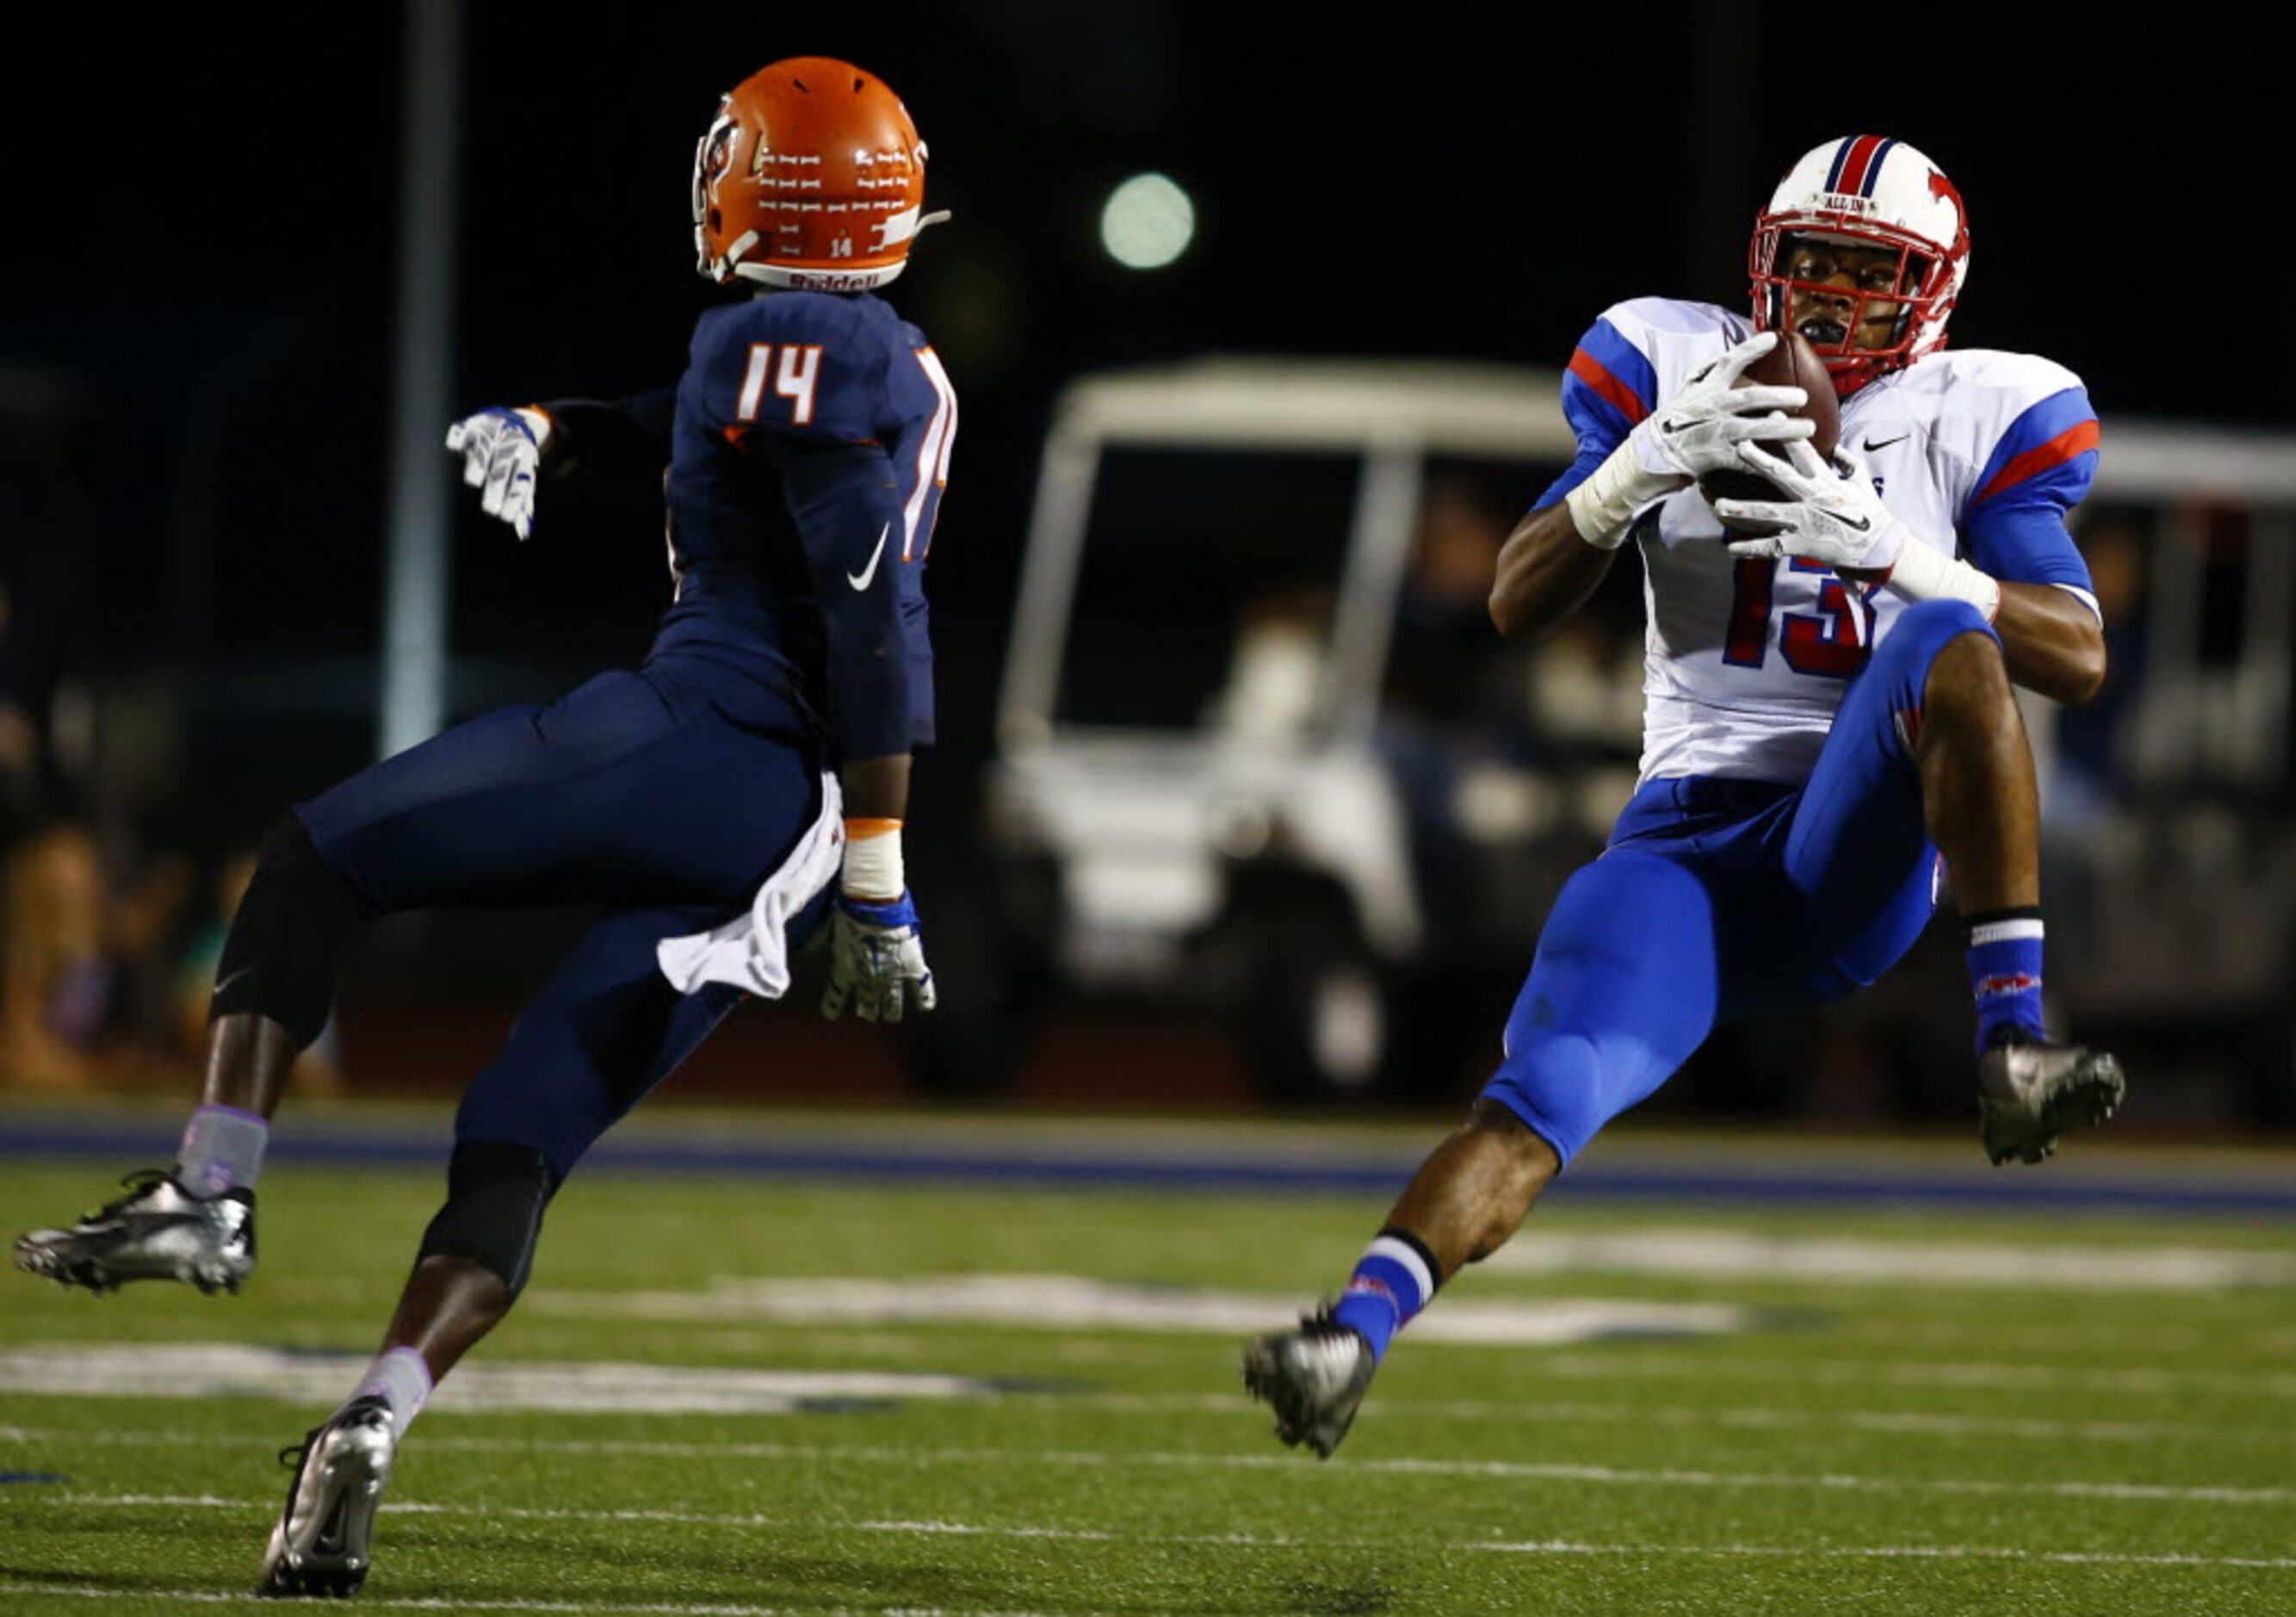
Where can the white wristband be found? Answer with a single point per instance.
(873, 871)
(1922, 574)
(1603, 508)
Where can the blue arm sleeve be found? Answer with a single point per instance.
(847, 507)
(2014, 526)
(1611, 385)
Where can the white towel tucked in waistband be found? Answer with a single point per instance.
(751, 950)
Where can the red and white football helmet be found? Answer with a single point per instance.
(810, 176)
(1870, 191)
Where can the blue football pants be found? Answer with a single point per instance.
(1719, 899)
(637, 793)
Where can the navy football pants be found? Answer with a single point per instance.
(634, 792)
(1719, 899)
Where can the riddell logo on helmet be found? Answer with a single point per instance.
(830, 280)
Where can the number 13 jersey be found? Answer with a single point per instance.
(1980, 454)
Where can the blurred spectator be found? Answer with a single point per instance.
(1454, 699)
(76, 948)
(1278, 666)
(1448, 668)
(1587, 690)
(55, 986)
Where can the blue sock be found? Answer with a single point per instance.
(1392, 1283)
(2005, 972)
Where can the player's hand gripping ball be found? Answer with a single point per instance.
(1791, 362)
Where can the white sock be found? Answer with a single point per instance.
(222, 1150)
(400, 1378)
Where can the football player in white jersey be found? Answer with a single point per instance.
(1829, 711)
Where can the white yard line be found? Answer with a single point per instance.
(1671, 1366)
(1908, 1422)
(1505, 1470)
(1709, 1253)
(1228, 1405)
(946, 1529)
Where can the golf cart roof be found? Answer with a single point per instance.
(1248, 401)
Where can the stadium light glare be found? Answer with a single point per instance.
(1147, 222)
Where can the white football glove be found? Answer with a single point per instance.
(1831, 513)
(501, 450)
(1701, 427)
(876, 960)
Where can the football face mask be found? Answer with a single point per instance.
(1874, 199)
(811, 176)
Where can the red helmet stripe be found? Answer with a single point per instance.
(2073, 440)
(1591, 371)
(1856, 162)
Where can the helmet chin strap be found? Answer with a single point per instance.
(775, 277)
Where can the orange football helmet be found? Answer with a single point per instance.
(810, 176)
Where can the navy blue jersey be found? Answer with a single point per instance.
(809, 450)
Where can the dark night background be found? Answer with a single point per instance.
(201, 224)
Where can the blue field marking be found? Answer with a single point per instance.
(1271, 1170)
(7, 1477)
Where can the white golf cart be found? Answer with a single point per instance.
(1216, 784)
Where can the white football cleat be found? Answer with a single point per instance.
(1313, 1378)
(321, 1545)
(157, 1231)
(2031, 1089)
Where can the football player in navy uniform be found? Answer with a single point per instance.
(1828, 709)
(742, 787)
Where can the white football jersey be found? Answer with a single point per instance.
(1980, 454)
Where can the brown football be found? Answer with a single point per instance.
(1791, 363)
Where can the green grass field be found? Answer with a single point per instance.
(1810, 1411)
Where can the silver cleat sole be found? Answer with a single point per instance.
(2023, 1108)
(58, 1262)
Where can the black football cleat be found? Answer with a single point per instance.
(157, 1231)
(321, 1545)
(1313, 1378)
(2031, 1089)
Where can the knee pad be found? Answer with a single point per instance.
(496, 1192)
(286, 942)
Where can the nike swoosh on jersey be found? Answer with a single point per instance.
(1871, 445)
(860, 580)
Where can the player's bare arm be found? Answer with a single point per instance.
(876, 788)
(1546, 572)
(2051, 641)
